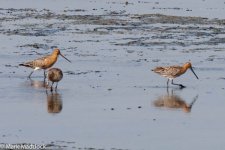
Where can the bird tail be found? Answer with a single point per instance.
(25, 65)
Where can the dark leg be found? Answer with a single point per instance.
(44, 74)
(30, 74)
(181, 86)
(167, 83)
(52, 86)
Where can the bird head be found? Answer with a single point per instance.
(57, 52)
(188, 65)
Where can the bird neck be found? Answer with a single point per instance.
(54, 57)
(184, 69)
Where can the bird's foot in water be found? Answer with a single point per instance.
(182, 86)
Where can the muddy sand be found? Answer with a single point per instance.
(109, 98)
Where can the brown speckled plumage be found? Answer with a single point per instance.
(172, 72)
(54, 75)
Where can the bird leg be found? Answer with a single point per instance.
(52, 86)
(167, 83)
(44, 74)
(30, 74)
(181, 86)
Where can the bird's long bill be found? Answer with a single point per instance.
(194, 72)
(65, 58)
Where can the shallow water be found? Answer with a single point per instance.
(106, 98)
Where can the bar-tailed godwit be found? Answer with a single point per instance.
(54, 75)
(171, 72)
(44, 62)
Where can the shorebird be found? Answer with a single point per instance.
(54, 75)
(171, 72)
(44, 62)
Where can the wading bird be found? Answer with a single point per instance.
(44, 62)
(171, 72)
(54, 75)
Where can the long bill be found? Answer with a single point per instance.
(194, 72)
(65, 58)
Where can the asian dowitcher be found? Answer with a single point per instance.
(44, 62)
(171, 72)
(54, 75)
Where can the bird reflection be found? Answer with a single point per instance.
(37, 84)
(54, 100)
(174, 101)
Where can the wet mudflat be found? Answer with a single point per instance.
(109, 98)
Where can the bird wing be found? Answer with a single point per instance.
(170, 71)
(39, 62)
